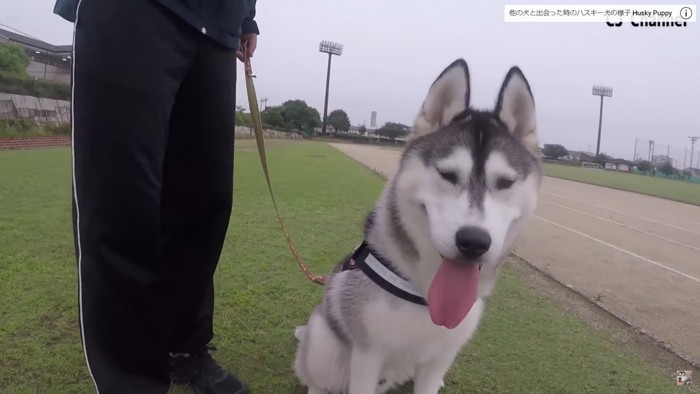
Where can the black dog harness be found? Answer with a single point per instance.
(383, 274)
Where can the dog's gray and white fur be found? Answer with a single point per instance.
(461, 167)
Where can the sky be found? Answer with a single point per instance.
(394, 49)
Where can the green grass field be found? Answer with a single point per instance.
(659, 187)
(525, 345)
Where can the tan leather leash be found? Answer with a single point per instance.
(257, 126)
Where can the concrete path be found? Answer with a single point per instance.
(637, 256)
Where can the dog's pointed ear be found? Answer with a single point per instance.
(447, 97)
(516, 109)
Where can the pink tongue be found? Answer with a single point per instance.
(453, 293)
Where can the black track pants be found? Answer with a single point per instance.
(153, 134)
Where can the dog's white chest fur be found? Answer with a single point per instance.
(409, 339)
(397, 337)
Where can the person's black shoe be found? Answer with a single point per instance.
(203, 374)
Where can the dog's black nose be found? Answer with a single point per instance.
(472, 241)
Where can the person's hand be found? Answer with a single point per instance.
(249, 42)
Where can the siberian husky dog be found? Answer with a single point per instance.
(401, 306)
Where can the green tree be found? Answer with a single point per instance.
(272, 116)
(316, 117)
(393, 130)
(554, 151)
(667, 168)
(243, 118)
(297, 114)
(363, 130)
(644, 166)
(339, 120)
(13, 60)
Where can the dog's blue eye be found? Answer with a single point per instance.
(504, 183)
(448, 176)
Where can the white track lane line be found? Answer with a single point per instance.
(686, 220)
(619, 249)
(623, 225)
(624, 213)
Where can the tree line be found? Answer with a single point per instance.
(297, 115)
(556, 152)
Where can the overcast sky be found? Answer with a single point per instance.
(395, 48)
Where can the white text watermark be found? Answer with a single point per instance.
(678, 13)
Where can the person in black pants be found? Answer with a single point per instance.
(154, 92)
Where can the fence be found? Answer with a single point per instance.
(242, 131)
(15, 143)
(676, 176)
(40, 110)
(364, 139)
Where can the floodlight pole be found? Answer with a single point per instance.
(692, 148)
(331, 48)
(325, 103)
(601, 91)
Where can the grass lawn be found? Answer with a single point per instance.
(525, 345)
(659, 187)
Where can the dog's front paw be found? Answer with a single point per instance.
(299, 332)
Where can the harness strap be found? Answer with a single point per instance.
(383, 274)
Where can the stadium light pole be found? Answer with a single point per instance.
(602, 91)
(331, 48)
(692, 148)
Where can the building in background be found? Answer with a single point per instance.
(373, 120)
(659, 160)
(46, 61)
(619, 165)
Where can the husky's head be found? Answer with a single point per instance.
(467, 182)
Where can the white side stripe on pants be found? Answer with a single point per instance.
(77, 208)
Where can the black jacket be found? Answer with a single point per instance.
(225, 21)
